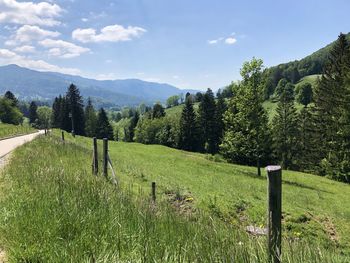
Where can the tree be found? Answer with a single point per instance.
(199, 96)
(305, 94)
(330, 106)
(104, 128)
(285, 130)
(246, 139)
(158, 111)
(189, 131)
(90, 119)
(133, 123)
(219, 119)
(207, 123)
(172, 101)
(9, 113)
(44, 117)
(10, 96)
(280, 87)
(33, 115)
(76, 108)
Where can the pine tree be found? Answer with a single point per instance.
(330, 105)
(158, 111)
(76, 108)
(104, 128)
(189, 131)
(90, 119)
(285, 130)
(10, 96)
(133, 123)
(207, 123)
(219, 120)
(33, 115)
(246, 139)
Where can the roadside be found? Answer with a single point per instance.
(6, 147)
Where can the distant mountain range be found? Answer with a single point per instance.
(29, 84)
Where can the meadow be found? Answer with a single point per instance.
(8, 130)
(55, 210)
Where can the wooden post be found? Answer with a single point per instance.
(62, 134)
(95, 166)
(259, 167)
(154, 192)
(105, 157)
(274, 229)
(45, 131)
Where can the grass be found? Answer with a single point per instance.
(312, 79)
(314, 208)
(8, 130)
(54, 210)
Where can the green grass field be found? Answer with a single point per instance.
(55, 210)
(8, 130)
(313, 206)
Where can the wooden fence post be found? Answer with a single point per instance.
(274, 227)
(105, 156)
(95, 160)
(154, 192)
(62, 134)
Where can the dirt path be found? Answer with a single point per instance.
(6, 147)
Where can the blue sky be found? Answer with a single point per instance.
(187, 43)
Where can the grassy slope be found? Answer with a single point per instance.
(54, 210)
(7, 130)
(313, 207)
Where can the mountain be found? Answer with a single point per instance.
(29, 84)
(296, 70)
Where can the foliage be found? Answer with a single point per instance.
(33, 115)
(304, 94)
(246, 138)
(189, 129)
(90, 119)
(285, 131)
(44, 117)
(104, 128)
(172, 101)
(76, 108)
(8, 113)
(158, 111)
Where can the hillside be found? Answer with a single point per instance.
(82, 218)
(311, 204)
(294, 71)
(30, 84)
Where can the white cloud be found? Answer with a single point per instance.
(84, 19)
(107, 76)
(113, 33)
(230, 40)
(215, 41)
(28, 33)
(63, 49)
(42, 13)
(9, 57)
(25, 49)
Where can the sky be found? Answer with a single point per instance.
(196, 44)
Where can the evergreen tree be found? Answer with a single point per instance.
(10, 96)
(33, 115)
(219, 119)
(207, 123)
(90, 119)
(158, 111)
(285, 130)
(189, 131)
(57, 112)
(76, 109)
(246, 139)
(133, 123)
(104, 128)
(330, 105)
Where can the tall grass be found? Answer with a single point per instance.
(7, 130)
(54, 210)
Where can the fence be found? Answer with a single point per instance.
(274, 190)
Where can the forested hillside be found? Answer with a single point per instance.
(296, 70)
